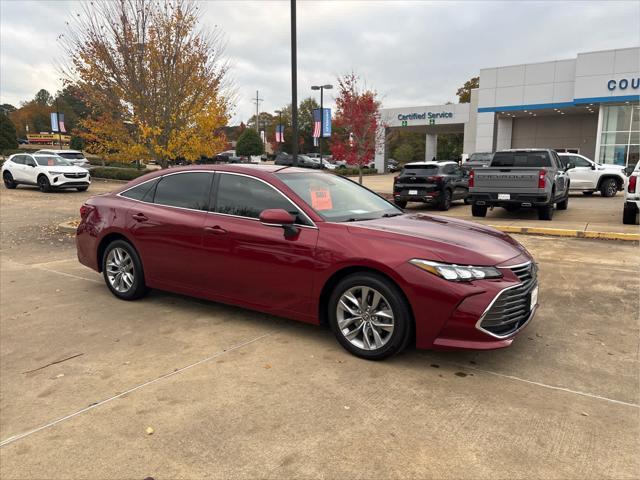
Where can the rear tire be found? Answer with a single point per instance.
(546, 212)
(122, 271)
(8, 180)
(629, 214)
(609, 188)
(43, 184)
(445, 203)
(401, 203)
(479, 210)
(366, 294)
(563, 204)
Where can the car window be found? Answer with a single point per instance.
(52, 161)
(448, 169)
(579, 161)
(143, 192)
(19, 159)
(409, 170)
(185, 190)
(521, 159)
(72, 155)
(248, 197)
(29, 161)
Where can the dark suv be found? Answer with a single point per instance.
(435, 183)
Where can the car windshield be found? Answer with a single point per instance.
(480, 157)
(52, 161)
(521, 159)
(72, 155)
(337, 199)
(409, 170)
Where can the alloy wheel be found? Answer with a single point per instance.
(120, 271)
(365, 318)
(612, 189)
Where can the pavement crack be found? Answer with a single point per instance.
(54, 363)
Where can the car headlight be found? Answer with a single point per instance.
(456, 273)
(56, 173)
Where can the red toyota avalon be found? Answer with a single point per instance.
(314, 247)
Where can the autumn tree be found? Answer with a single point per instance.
(155, 81)
(464, 92)
(355, 127)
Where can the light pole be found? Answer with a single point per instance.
(321, 88)
(294, 87)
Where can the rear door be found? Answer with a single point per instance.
(251, 263)
(167, 228)
(580, 175)
(460, 181)
(18, 168)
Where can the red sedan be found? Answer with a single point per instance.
(314, 247)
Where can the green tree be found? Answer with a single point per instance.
(249, 143)
(43, 97)
(404, 153)
(450, 146)
(77, 143)
(8, 137)
(464, 92)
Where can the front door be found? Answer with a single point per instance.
(581, 174)
(251, 263)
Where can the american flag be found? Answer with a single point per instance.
(317, 122)
(61, 123)
(280, 133)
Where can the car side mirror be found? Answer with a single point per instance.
(568, 167)
(32, 165)
(593, 167)
(277, 217)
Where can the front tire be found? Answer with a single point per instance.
(546, 212)
(369, 316)
(8, 180)
(479, 210)
(563, 204)
(609, 188)
(122, 271)
(43, 184)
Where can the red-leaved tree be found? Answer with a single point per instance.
(356, 122)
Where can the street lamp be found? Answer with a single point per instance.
(322, 88)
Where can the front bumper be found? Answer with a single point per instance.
(63, 181)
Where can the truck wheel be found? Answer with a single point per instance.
(563, 204)
(400, 203)
(8, 180)
(609, 188)
(479, 210)
(546, 212)
(629, 214)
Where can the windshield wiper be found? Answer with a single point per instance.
(387, 215)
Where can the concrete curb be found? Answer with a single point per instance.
(68, 227)
(561, 232)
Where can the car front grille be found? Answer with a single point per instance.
(75, 175)
(511, 308)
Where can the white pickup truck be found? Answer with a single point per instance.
(588, 176)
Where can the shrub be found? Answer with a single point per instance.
(249, 143)
(117, 173)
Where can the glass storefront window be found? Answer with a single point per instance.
(620, 138)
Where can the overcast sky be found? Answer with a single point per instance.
(412, 53)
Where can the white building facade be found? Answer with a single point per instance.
(589, 105)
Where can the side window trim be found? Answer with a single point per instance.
(214, 194)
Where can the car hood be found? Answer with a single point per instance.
(448, 240)
(64, 169)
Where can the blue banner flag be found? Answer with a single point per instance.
(54, 122)
(326, 122)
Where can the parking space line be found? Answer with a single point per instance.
(67, 274)
(551, 387)
(131, 390)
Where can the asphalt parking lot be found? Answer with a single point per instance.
(234, 393)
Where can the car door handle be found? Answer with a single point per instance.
(215, 230)
(139, 217)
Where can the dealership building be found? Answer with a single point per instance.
(589, 105)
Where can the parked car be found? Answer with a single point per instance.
(48, 172)
(632, 198)
(588, 176)
(23, 141)
(289, 242)
(76, 157)
(434, 183)
(393, 165)
(304, 161)
(532, 178)
(477, 160)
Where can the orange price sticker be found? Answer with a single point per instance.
(321, 200)
(50, 163)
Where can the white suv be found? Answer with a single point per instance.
(632, 198)
(76, 157)
(588, 176)
(48, 172)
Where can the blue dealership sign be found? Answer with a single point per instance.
(326, 122)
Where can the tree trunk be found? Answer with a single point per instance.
(360, 173)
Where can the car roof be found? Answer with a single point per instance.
(436, 163)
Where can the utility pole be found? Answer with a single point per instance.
(59, 130)
(294, 87)
(321, 88)
(257, 101)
